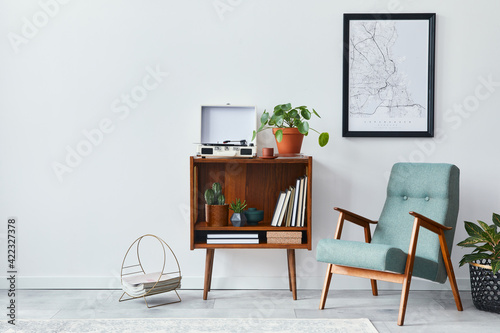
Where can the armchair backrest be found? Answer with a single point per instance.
(429, 189)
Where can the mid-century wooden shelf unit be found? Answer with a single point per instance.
(259, 182)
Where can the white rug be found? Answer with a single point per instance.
(174, 325)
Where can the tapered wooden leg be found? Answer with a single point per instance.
(291, 272)
(374, 287)
(209, 260)
(326, 287)
(449, 271)
(404, 300)
(211, 270)
(410, 260)
(289, 275)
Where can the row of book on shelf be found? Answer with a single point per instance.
(290, 208)
(273, 237)
(236, 238)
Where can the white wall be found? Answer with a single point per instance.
(70, 75)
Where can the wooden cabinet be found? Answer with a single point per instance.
(259, 182)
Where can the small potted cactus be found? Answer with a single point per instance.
(238, 219)
(216, 210)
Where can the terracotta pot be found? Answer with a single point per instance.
(216, 215)
(292, 141)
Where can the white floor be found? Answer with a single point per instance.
(427, 311)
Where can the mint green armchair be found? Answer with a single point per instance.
(413, 236)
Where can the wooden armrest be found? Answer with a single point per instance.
(355, 218)
(430, 224)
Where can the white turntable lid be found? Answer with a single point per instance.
(227, 122)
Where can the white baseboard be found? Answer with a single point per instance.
(196, 282)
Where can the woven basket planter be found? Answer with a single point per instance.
(485, 286)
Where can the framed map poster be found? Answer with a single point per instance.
(388, 75)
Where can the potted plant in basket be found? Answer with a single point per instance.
(238, 219)
(484, 263)
(216, 210)
(289, 127)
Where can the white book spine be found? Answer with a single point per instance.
(304, 204)
(277, 209)
(284, 209)
(295, 204)
(232, 235)
(233, 241)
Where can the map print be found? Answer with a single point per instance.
(382, 77)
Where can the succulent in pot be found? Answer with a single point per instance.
(216, 209)
(238, 219)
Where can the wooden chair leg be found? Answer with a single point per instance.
(374, 287)
(408, 271)
(326, 287)
(404, 300)
(449, 271)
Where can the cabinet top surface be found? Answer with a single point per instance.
(299, 159)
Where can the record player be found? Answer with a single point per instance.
(226, 131)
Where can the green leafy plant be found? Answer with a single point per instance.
(285, 116)
(485, 239)
(214, 196)
(238, 206)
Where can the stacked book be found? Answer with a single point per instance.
(290, 208)
(284, 237)
(237, 238)
(140, 284)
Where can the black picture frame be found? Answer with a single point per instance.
(388, 75)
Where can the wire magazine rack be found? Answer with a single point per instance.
(138, 283)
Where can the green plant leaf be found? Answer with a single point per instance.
(496, 219)
(276, 120)
(495, 266)
(473, 229)
(473, 257)
(277, 107)
(323, 139)
(483, 225)
(254, 135)
(278, 113)
(286, 107)
(489, 235)
(470, 242)
(279, 121)
(486, 248)
(317, 115)
(279, 135)
(303, 127)
(293, 114)
(306, 114)
(497, 249)
(497, 239)
(264, 118)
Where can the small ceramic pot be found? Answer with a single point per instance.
(238, 219)
(254, 216)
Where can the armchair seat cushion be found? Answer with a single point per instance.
(378, 257)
